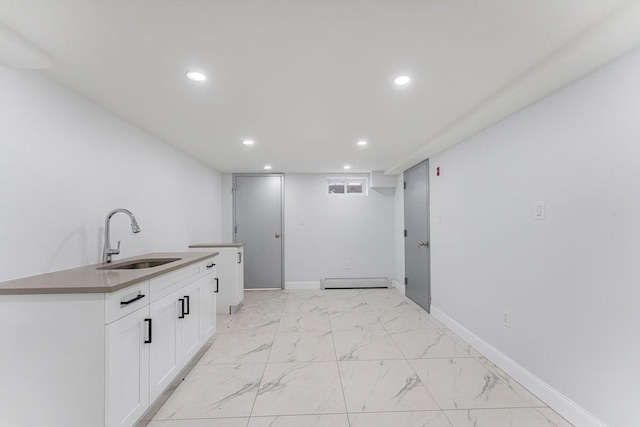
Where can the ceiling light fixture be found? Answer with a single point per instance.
(347, 167)
(196, 76)
(247, 142)
(267, 167)
(362, 143)
(402, 80)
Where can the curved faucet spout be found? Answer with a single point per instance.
(108, 251)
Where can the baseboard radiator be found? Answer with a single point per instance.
(355, 283)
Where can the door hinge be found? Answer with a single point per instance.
(406, 281)
(235, 229)
(404, 185)
(405, 233)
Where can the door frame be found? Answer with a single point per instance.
(233, 213)
(424, 162)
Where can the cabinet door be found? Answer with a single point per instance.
(190, 325)
(240, 277)
(208, 307)
(164, 357)
(127, 376)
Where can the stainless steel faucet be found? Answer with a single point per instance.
(106, 255)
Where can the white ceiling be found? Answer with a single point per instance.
(307, 79)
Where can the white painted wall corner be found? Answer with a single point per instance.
(399, 286)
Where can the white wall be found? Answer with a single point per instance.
(65, 163)
(398, 233)
(572, 281)
(226, 232)
(336, 229)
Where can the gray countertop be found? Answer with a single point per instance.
(89, 279)
(216, 245)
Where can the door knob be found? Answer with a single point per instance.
(423, 244)
(277, 235)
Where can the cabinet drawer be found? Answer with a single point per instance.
(209, 266)
(120, 303)
(167, 283)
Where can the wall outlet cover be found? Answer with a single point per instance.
(539, 211)
(506, 318)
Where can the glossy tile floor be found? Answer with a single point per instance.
(340, 358)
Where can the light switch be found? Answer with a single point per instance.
(438, 219)
(539, 212)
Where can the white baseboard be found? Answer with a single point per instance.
(399, 286)
(302, 285)
(557, 401)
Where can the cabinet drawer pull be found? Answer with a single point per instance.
(211, 265)
(137, 297)
(239, 257)
(186, 298)
(148, 341)
(182, 308)
(217, 283)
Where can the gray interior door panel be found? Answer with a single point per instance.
(416, 243)
(258, 224)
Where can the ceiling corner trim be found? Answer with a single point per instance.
(18, 52)
(615, 35)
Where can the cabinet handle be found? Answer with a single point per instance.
(217, 283)
(137, 297)
(186, 297)
(149, 331)
(182, 304)
(211, 265)
(239, 257)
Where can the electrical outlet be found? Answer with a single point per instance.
(506, 318)
(438, 219)
(347, 265)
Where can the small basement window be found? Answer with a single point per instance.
(347, 185)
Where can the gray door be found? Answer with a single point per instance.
(258, 224)
(416, 242)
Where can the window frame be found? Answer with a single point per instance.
(345, 181)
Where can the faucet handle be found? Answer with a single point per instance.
(118, 248)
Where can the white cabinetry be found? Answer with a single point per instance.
(52, 360)
(190, 335)
(127, 332)
(101, 359)
(208, 306)
(127, 373)
(165, 361)
(147, 349)
(239, 278)
(179, 328)
(230, 273)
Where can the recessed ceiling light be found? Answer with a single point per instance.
(347, 167)
(362, 143)
(196, 76)
(402, 80)
(267, 167)
(247, 142)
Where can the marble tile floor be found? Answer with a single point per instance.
(341, 358)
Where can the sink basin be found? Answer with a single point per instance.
(140, 263)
